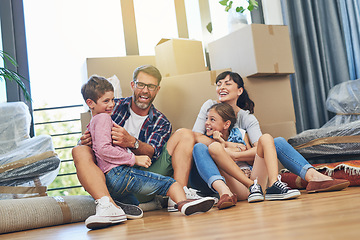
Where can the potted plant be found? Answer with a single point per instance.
(237, 8)
(10, 75)
(253, 4)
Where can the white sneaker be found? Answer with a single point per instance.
(106, 214)
(190, 193)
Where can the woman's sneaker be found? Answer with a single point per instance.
(189, 207)
(280, 191)
(256, 193)
(106, 214)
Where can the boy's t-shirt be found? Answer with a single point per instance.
(107, 155)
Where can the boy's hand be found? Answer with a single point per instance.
(86, 139)
(143, 161)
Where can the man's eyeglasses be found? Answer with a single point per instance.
(150, 87)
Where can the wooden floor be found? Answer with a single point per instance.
(330, 215)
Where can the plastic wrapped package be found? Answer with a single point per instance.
(27, 165)
(15, 122)
(341, 135)
(338, 140)
(344, 100)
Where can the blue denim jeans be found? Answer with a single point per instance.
(290, 158)
(204, 171)
(123, 181)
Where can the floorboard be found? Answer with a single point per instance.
(328, 215)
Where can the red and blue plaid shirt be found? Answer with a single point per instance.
(156, 129)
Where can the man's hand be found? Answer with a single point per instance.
(121, 137)
(143, 161)
(86, 139)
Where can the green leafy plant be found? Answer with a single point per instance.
(10, 75)
(253, 4)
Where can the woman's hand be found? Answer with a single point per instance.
(143, 161)
(86, 139)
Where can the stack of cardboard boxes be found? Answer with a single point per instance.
(261, 54)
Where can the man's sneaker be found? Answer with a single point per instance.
(190, 193)
(131, 211)
(106, 214)
(280, 191)
(192, 206)
(256, 193)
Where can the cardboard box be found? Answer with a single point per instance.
(254, 50)
(181, 97)
(122, 67)
(272, 97)
(281, 129)
(179, 56)
(85, 118)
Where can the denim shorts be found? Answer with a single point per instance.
(124, 180)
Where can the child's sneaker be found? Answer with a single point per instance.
(280, 191)
(106, 214)
(256, 193)
(192, 206)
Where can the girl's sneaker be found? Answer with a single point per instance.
(256, 193)
(280, 191)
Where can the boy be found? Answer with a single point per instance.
(116, 162)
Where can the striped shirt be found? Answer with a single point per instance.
(156, 129)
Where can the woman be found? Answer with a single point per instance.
(230, 89)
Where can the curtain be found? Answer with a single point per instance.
(319, 54)
(350, 16)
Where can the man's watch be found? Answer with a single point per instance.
(136, 144)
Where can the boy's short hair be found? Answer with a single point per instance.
(95, 88)
(148, 69)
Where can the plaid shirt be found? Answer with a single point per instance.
(156, 129)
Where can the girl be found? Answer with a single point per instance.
(221, 137)
(230, 89)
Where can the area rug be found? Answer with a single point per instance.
(349, 170)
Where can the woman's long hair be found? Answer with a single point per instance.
(244, 102)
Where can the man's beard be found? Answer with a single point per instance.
(142, 105)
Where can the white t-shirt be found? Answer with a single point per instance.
(134, 123)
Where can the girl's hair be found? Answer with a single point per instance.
(226, 112)
(148, 69)
(243, 101)
(95, 88)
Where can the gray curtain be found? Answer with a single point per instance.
(350, 16)
(319, 54)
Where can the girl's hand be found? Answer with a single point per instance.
(143, 161)
(218, 136)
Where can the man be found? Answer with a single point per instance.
(146, 131)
